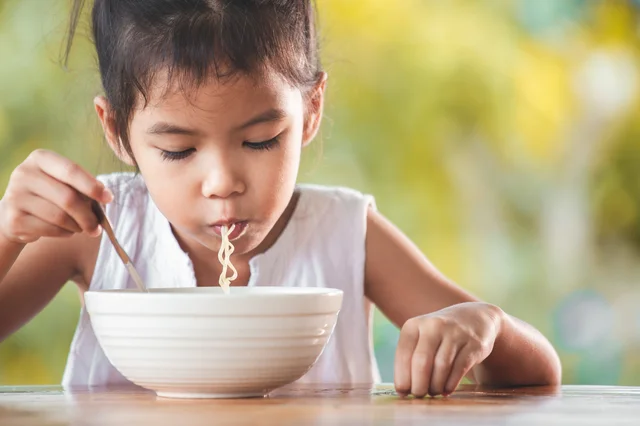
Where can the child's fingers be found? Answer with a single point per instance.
(30, 228)
(50, 213)
(67, 199)
(442, 364)
(402, 366)
(70, 173)
(465, 361)
(422, 363)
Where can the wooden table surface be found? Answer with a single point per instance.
(470, 405)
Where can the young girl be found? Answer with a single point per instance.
(212, 101)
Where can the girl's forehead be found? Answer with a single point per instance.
(236, 89)
(229, 100)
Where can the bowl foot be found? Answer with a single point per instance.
(206, 395)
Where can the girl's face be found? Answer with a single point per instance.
(226, 154)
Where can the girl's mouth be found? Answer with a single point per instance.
(239, 228)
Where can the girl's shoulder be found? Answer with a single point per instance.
(333, 209)
(336, 212)
(334, 198)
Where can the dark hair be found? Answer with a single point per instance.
(194, 40)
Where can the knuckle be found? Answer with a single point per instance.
(485, 346)
(60, 218)
(69, 200)
(460, 333)
(36, 153)
(13, 220)
(447, 323)
(428, 325)
(495, 312)
(19, 175)
(410, 329)
(440, 321)
(440, 363)
(10, 198)
(411, 324)
(71, 170)
(420, 360)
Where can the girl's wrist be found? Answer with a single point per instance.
(9, 244)
(498, 316)
(9, 252)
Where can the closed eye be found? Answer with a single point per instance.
(176, 155)
(266, 145)
(181, 155)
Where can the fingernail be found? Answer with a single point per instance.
(107, 195)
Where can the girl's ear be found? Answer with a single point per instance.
(109, 128)
(314, 106)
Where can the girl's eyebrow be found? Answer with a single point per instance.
(164, 128)
(273, 114)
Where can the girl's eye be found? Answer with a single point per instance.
(176, 155)
(181, 155)
(266, 145)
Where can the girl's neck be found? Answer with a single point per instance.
(206, 267)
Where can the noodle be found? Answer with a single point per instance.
(224, 256)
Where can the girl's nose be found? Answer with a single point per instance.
(222, 182)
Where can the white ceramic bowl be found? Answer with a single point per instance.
(202, 343)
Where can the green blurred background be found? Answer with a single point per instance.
(502, 136)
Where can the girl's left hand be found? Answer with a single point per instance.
(437, 350)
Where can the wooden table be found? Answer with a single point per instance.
(568, 405)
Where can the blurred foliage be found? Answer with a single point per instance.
(501, 136)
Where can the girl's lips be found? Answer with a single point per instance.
(238, 230)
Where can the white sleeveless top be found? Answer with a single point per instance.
(323, 245)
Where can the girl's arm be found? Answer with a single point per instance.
(446, 332)
(9, 252)
(35, 273)
(46, 225)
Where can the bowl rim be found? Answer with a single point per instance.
(216, 291)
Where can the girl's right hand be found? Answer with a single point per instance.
(50, 196)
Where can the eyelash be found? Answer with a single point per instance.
(256, 146)
(176, 155)
(262, 146)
